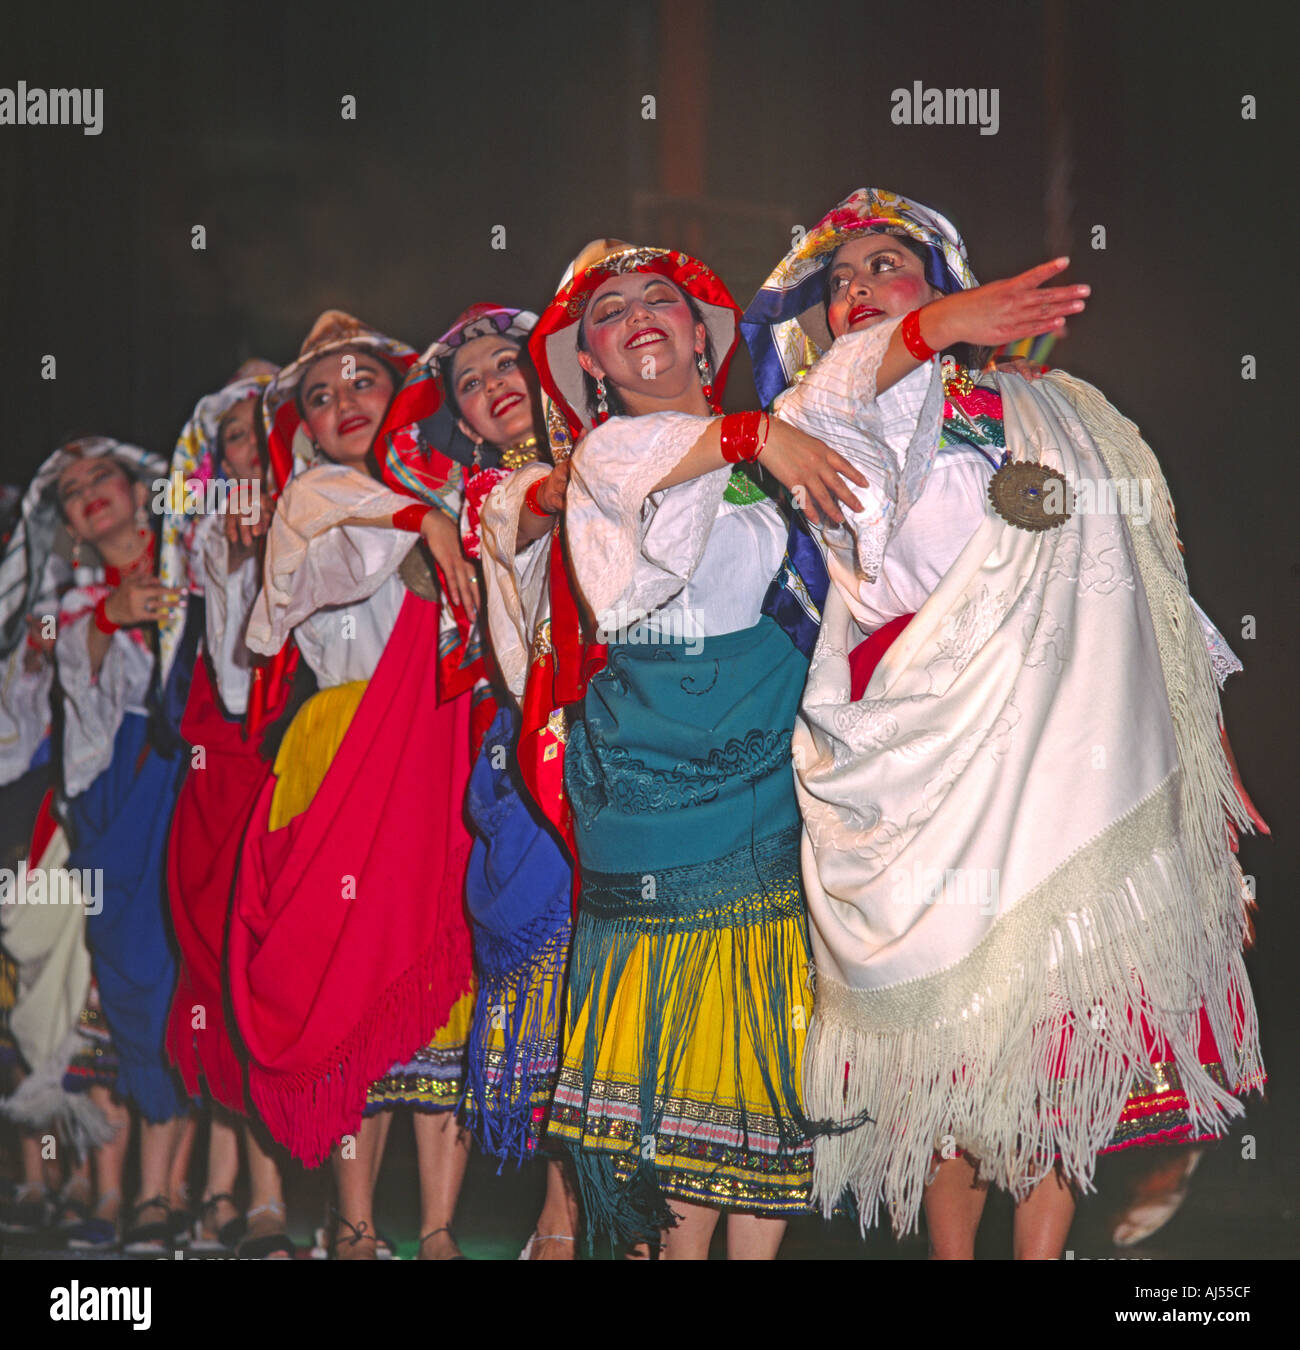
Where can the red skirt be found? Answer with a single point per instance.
(212, 812)
(349, 943)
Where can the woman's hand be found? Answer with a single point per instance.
(1003, 311)
(140, 600)
(550, 495)
(442, 536)
(554, 488)
(813, 472)
(244, 528)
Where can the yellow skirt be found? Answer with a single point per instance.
(691, 1042)
(434, 1079)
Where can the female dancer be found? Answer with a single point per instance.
(348, 947)
(677, 1094)
(51, 970)
(519, 882)
(218, 447)
(1026, 917)
(122, 766)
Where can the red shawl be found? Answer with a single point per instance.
(212, 811)
(348, 939)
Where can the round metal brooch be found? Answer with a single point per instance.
(417, 573)
(1029, 496)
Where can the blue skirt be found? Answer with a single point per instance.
(518, 890)
(120, 826)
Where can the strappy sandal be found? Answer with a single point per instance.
(383, 1249)
(536, 1237)
(227, 1235)
(276, 1246)
(433, 1232)
(148, 1239)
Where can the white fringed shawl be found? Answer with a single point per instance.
(1021, 820)
(49, 944)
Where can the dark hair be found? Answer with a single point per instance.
(359, 349)
(449, 365)
(126, 473)
(612, 400)
(372, 462)
(219, 462)
(973, 358)
(303, 685)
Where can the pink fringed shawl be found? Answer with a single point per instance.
(348, 940)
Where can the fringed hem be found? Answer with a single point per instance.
(514, 1051)
(683, 1049)
(975, 1057)
(700, 1153)
(43, 1102)
(310, 1110)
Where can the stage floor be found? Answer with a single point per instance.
(1238, 1209)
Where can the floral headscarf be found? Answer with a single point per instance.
(422, 445)
(785, 325)
(40, 532)
(194, 461)
(554, 344)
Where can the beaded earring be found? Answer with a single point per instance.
(602, 407)
(706, 381)
(76, 553)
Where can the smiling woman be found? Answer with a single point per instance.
(358, 834)
(952, 744)
(677, 1093)
(518, 883)
(122, 768)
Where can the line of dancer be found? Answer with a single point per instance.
(817, 808)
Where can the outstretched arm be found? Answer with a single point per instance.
(987, 316)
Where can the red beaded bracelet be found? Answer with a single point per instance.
(912, 338)
(530, 499)
(411, 517)
(740, 436)
(102, 621)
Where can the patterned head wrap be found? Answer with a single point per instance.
(554, 344)
(288, 444)
(785, 325)
(194, 461)
(40, 532)
(421, 434)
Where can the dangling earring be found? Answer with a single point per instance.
(76, 553)
(706, 380)
(602, 408)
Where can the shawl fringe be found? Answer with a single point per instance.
(989, 1070)
(1137, 931)
(310, 1110)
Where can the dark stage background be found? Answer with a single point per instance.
(530, 117)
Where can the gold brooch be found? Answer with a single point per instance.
(1029, 496)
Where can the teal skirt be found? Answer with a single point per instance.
(688, 989)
